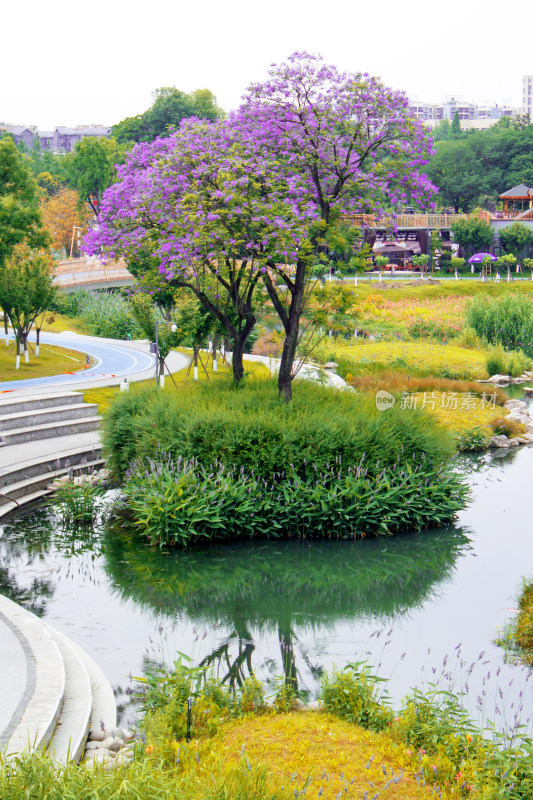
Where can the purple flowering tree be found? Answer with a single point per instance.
(224, 207)
(355, 148)
(212, 212)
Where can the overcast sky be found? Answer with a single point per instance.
(68, 63)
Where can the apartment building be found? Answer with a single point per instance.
(60, 140)
(527, 95)
(471, 115)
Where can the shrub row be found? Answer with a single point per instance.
(182, 502)
(102, 314)
(251, 428)
(501, 363)
(507, 320)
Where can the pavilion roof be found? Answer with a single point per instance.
(520, 192)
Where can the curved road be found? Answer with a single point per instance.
(113, 361)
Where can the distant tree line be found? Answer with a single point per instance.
(90, 169)
(472, 168)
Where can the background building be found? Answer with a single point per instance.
(471, 115)
(60, 140)
(527, 94)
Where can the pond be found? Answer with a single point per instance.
(421, 608)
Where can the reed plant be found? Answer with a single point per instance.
(78, 504)
(507, 320)
(105, 314)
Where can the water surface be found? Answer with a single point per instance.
(420, 608)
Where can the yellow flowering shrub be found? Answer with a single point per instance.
(326, 755)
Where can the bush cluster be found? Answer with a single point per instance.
(252, 429)
(181, 503)
(101, 313)
(501, 363)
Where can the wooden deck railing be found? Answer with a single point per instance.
(84, 271)
(416, 221)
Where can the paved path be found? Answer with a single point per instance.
(114, 359)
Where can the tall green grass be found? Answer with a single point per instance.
(506, 320)
(250, 428)
(37, 777)
(105, 314)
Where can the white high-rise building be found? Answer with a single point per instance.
(527, 95)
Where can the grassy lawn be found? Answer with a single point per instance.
(419, 358)
(183, 378)
(459, 412)
(57, 323)
(447, 288)
(52, 361)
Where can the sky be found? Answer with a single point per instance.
(68, 63)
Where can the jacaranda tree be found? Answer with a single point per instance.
(213, 212)
(355, 147)
(224, 205)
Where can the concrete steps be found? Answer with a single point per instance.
(12, 403)
(50, 430)
(68, 739)
(65, 693)
(41, 438)
(34, 722)
(37, 418)
(51, 691)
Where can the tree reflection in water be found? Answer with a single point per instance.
(281, 587)
(249, 590)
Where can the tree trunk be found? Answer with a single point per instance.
(237, 359)
(214, 351)
(292, 327)
(239, 342)
(290, 672)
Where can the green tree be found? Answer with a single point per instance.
(194, 324)
(20, 218)
(521, 170)
(455, 128)
(144, 311)
(484, 162)
(473, 234)
(169, 107)
(457, 172)
(441, 131)
(26, 291)
(91, 168)
(457, 264)
(515, 238)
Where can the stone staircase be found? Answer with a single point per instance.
(41, 438)
(64, 695)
